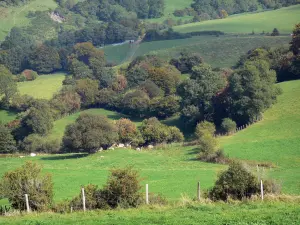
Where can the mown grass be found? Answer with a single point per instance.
(275, 139)
(43, 87)
(17, 16)
(283, 19)
(214, 50)
(217, 214)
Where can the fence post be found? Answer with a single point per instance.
(27, 203)
(147, 194)
(198, 191)
(262, 190)
(83, 199)
(71, 209)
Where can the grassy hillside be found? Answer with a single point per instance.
(283, 19)
(214, 50)
(43, 87)
(217, 214)
(275, 139)
(17, 16)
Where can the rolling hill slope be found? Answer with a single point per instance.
(283, 19)
(275, 139)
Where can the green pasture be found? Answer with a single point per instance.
(191, 214)
(43, 87)
(275, 139)
(17, 16)
(283, 19)
(222, 51)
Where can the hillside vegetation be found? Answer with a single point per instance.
(283, 19)
(17, 15)
(275, 139)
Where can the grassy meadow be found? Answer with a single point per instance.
(173, 170)
(17, 16)
(283, 19)
(192, 214)
(214, 50)
(43, 87)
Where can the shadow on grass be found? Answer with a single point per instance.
(63, 157)
(193, 153)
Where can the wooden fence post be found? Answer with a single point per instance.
(83, 199)
(147, 194)
(198, 191)
(262, 190)
(27, 203)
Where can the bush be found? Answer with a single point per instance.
(89, 133)
(236, 182)
(36, 143)
(28, 75)
(128, 133)
(154, 132)
(7, 142)
(90, 198)
(204, 128)
(123, 188)
(228, 125)
(28, 180)
(62, 207)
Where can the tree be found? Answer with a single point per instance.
(295, 48)
(45, 59)
(28, 180)
(236, 182)
(251, 91)
(203, 128)
(275, 32)
(8, 86)
(88, 90)
(7, 142)
(165, 106)
(128, 132)
(187, 61)
(136, 103)
(39, 119)
(228, 125)
(89, 133)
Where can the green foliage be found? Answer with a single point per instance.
(165, 107)
(39, 119)
(8, 86)
(45, 59)
(7, 142)
(198, 92)
(295, 48)
(89, 133)
(28, 75)
(204, 128)
(28, 180)
(187, 61)
(136, 103)
(36, 143)
(275, 32)
(236, 182)
(252, 90)
(128, 132)
(228, 125)
(90, 192)
(88, 90)
(154, 132)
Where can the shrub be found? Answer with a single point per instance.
(89, 133)
(204, 128)
(36, 143)
(90, 191)
(155, 132)
(28, 180)
(29, 75)
(123, 188)
(228, 125)
(128, 133)
(62, 207)
(236, 182)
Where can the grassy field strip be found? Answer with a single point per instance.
(283, 19)
(7, 116)
(43, 87)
